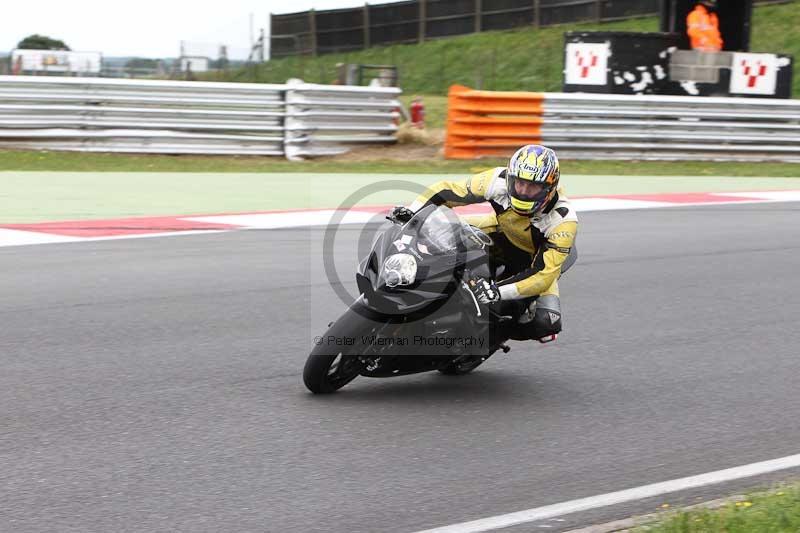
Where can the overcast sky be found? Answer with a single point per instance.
(147, 28)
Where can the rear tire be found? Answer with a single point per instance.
(460, 369)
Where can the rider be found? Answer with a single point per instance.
(533, 228)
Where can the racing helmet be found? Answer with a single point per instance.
(532, 178)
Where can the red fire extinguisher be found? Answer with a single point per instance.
(417, 110)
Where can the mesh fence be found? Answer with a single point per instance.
(393, 23)
(343, 29)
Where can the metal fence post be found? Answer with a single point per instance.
(312, 25)
(366, 25)
(478, 15)
(536, 13)
(598, 10)
(423, 15)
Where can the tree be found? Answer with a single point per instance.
(41, 42)
(219, 64)
(142, 63)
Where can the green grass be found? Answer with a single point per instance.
(522, 59)
(100, 162)
(90, 162)
(497, 60)
(777, 511)
(48, 196)
(435, 108)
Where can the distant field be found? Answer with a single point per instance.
(522, 59)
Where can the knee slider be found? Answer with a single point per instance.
(546, 322)
(547, 317)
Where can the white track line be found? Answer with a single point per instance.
(774, 196)
(322, 217)
(13, 237)
(622, 496)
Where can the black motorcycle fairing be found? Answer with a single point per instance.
(428, 320)
(370, 339)
(439, 272)
(406, 356)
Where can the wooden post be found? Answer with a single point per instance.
(536, 14)
(478, 15)
(312, 27)
(366, 25)
(423, 15)
(598, 10)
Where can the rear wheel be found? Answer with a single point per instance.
(324, 374)
(459, 369)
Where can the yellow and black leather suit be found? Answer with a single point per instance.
(544, 239)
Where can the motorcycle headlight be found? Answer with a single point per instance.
(399, 269)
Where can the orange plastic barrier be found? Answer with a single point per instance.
(491, 123)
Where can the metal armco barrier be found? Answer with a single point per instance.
(173, 117)
(643, 127)
(320, 118)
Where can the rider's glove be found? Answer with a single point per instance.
(400, 213)
(485, 291)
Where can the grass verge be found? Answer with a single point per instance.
(50, 196)
(775, 511)
(15, 160)
(435, 108)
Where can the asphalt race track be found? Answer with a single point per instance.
(155, 384)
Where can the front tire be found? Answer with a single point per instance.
(333, 364)
(324, 374)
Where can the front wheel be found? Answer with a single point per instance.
(335, 361)
(324, 374)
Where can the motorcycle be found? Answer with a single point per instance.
(416, 312)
